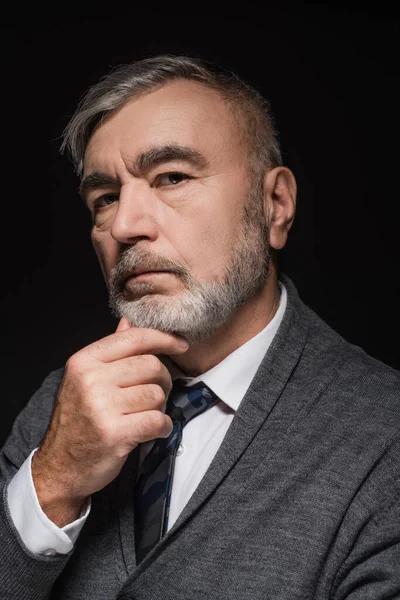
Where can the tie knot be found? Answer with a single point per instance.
(186, 402)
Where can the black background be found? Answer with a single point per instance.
(332, 78)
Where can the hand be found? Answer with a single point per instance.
(111, 399)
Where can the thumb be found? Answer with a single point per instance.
(123, 324)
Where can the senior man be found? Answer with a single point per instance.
(224, 442)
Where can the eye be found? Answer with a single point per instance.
(104, 201)
(171, 179)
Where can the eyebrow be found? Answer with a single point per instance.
(145, 161)
(93, 181)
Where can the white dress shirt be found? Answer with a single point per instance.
(201, 438)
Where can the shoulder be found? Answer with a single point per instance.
(351, 404)
(364, 388)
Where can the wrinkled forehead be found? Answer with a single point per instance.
(182, 113)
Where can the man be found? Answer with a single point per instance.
(224, 442)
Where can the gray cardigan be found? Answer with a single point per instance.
(301, 502)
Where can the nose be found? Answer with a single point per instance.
(134, 219)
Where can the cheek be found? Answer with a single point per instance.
(219, 231)
(205, 249)
(104, 253)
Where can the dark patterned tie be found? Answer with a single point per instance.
(153, 488)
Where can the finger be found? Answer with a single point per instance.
(123, 324)
(141, 398)
(134, 341)
(143, 427)
(136, 370)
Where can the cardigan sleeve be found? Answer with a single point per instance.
(371, 570)
(24, 574)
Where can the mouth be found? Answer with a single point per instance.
(142, 274)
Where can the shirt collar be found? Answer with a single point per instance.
(231, 378)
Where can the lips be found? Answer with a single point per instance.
(138, 272)
(141, 271)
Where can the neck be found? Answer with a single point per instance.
(244, 324)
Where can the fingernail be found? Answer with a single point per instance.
(183, 342)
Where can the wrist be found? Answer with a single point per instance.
(57, 499)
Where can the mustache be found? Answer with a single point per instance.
(134, 258)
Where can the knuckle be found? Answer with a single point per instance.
(73, 364)
(153, 363)
(121, 452)
(157, 421)
(88, 381)
(157, 395)
(78, 382)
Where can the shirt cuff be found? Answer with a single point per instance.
(37, 532)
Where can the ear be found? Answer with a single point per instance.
(279, 204)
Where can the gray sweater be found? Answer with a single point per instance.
(301, 502)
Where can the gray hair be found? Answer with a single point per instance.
(251, 110)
